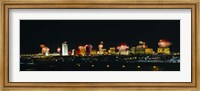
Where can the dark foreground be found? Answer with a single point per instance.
(108, 63)
(102, 67)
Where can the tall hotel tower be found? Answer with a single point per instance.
(64, 49)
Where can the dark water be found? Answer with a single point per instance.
(101, 63)
(96, 66)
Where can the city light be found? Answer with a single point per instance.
(64, 49)
(122, 49)
(120, 56)
(164, 43)
(45, 50)
(100, 45)
(58, 49)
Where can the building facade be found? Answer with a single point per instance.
(64, 49)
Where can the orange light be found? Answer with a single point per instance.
(42, 45)
(164, 43)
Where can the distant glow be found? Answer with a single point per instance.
(78, 64)
(78, 52)
(141, 42)
(164, 43)
(58, 49)
(81, 47)
(108, 66)
(101, 45)
(41, 45)
(82, 50)
(45, 50)
(123, 46)
(73, 52)
(48, 49)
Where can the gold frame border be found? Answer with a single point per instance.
(6, 5)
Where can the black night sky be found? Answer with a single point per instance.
(112, 32)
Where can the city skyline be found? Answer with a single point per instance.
(44, 32)
(140, 48)
(100, 45)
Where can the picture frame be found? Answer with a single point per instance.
(6, 85)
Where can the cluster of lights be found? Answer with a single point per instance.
(45, 49)
(122, 49)
(164, 43)
(123, 46)
(123, 66)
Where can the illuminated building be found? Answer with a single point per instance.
(88, 49)
(100, 45)
(163, 43)
(160, 50)
(112, 51)
(58, 50)
(163, 47)
(101, 51)
(142, 44)
(149, 51)
(105, 53)
(140, 49)
(42, 45)
(82, 50)
(77, 52)
(94, 52)
(64, 49)
(133, 50)
(45, 50)
(123, 49)
(73, 52)
(163, 50)
(166, 50)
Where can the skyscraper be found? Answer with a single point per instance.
(100, 45)
(64, 49)
(101, 50)
(73, 52)
(82, 50)
(88, 49)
